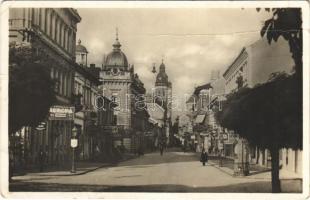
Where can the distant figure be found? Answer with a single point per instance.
(185, 146)
(41, 160)
(141, 152)
(161, 148)
(204, 157)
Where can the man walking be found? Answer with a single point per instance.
(204, 157)
(161, 148)
(41, 159)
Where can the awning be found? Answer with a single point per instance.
(199, 119)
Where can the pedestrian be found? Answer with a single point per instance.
(161, 147)
(204, 157)
(41, 159)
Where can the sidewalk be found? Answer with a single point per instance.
(252, 175)
(82, 167)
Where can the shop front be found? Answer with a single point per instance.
(59, 129)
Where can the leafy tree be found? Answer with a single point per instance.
(286, 22)
(31, 89)
(270, 115)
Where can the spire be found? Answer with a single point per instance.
(117, 45)
(116, 33)
(162, 65)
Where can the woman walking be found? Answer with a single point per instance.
(204, 157)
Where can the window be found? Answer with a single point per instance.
(40, 18)
(65, 84)
(59, 33)
(68, 39)
(65, 39)
(52, 72)
(286, 157)
(51, 24)
(32, 16)
(73, 43)
(60, 83)
(76, 88)
(56, 30)
(46, 21)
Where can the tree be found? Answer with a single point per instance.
(286, 22)
(269, 116)
(31, 89)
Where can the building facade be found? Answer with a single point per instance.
(86, 89)
(254, 65)
(50, 33)
(124, 87)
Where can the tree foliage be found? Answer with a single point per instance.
(267, 115)
(31, 89)
(270, 115)
(286, 22)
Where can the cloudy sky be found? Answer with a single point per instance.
(192, 41)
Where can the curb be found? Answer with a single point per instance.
(218, 167)
(90, 170)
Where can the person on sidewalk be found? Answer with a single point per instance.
(41, 159)
(161, 147)
(204, 157)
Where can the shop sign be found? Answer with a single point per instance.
(61, 113)
(204, 134)
(74, 143)
(225, 136)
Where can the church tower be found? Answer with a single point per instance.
(163, 95)
(162, 85)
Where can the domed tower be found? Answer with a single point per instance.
(116, 61)
(81, 54)
(162, 83)
(163, 95)
(118, 79)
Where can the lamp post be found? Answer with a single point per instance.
(74, 143)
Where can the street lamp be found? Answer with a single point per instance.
(154, 69)
(74, 143)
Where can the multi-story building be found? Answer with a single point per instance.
(86, 89)
(156, 113)
(254, 65)
(50, 33)
(201, 106)
(124, 87)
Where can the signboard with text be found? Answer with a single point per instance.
(61, 113)
(74, 143)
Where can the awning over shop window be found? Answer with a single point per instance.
(199, 119)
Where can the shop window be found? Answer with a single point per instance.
(286, 157)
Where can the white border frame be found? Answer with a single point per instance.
(147, 4)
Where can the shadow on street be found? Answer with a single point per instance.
(259, 187)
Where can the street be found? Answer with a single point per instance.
(175, 171)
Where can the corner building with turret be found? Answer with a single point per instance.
(123, 86)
